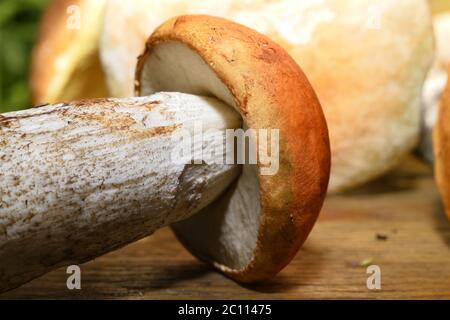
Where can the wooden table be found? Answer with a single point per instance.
(396, 223)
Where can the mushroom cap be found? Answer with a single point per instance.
(255, 229)
(441, 144)
(65, 62)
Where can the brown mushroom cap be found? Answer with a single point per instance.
(441, 144)
(65, 62)
(255, 229)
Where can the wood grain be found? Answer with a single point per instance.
(412, 250)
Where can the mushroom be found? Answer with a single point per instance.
(441, 144)
(366, 60)
(65, 60)
(80, 179)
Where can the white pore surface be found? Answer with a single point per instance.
(227, 230)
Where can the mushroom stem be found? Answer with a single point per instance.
(434, 85)
(80, 179)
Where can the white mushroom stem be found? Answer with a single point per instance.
(80, 179)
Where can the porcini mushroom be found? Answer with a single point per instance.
(80, 179)
(441, 146)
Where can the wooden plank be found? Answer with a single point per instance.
(412, 249)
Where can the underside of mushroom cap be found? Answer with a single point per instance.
(256, 228)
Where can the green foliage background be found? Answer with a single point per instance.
(18, 28)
